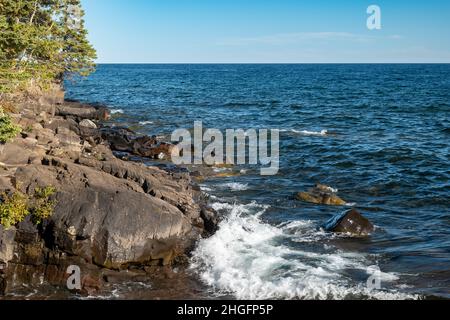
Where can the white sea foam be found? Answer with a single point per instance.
(322, 133)
(220, 170)
(235, 186)
(332, 190)
(205, 188)
(116, 111)
(143, 123)
(311, 133)
(249, 259)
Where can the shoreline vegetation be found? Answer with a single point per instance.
(66, 199)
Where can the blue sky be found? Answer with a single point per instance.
(259, 31)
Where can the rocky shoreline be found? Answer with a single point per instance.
(117, 220)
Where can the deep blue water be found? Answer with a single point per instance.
(387, 151)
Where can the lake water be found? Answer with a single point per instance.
(378, 133)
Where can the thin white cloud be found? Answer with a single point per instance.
(292, 38)
(395, 37)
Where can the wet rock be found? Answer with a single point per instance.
(321, 194)
(160, 151)
(350, 222)
(210, 220)
(120, 139)
(125, 140)
(91, 283)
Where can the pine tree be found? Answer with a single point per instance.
(41, 42)
(77, 53)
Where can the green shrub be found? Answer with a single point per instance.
(43, 206)
(16, 207)
(8, 130)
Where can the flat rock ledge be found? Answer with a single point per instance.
(110, 216)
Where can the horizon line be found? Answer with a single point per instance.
(266, 63)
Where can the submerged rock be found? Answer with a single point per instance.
(321, 194)
(351, 222)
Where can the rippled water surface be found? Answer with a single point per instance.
(378, 133)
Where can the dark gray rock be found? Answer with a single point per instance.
(125, 140)
(109, 215)
(81, 111)
(351, 222)
(116, 222)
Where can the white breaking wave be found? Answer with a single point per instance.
(322, 133)
(116, 111)
(311, 133)
(143, 123)
(205, 188)
(247, 258)
(332, 190)
(219, 170)
(235, 186)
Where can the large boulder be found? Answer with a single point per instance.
(59, 122)
(350, 222)
(144, 219)
(321, 194)
(119, 138)
(81, 111)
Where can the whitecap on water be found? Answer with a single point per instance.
(235, 186)
(249, 259)
(143, 123)
(321, 133)
(116, 111)
(205, 188)
(311, 133)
